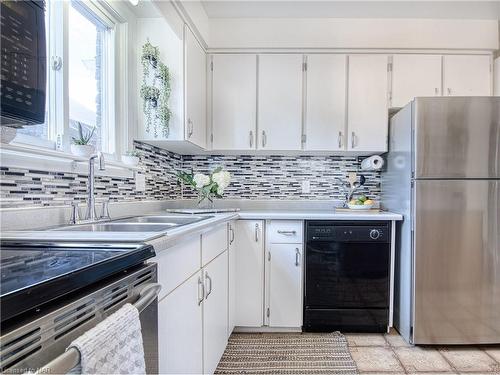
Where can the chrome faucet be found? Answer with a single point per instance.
(91, 213)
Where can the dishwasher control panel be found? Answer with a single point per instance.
(348, 232)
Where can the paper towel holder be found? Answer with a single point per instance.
(361, 158)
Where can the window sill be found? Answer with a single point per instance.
(29, 157)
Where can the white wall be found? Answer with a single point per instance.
(160, 34)
(353, 33)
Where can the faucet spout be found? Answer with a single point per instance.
(91, 211)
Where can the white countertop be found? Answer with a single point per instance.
(318, 215)
(162, 239)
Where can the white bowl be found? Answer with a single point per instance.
(133, 161)
(360, 207)
(85, 151)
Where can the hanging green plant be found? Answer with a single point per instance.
(150, 56)
(155, 90)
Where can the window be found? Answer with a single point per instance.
(80, 88)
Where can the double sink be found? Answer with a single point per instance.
(149, 223)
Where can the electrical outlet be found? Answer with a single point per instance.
(140, 182)
(306, 187)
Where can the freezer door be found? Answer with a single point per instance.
(456, 262)
(457, 137)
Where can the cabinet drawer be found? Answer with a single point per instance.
(177, 263)
(213, 243)
(284, 231)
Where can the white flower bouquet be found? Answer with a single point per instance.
(208, 186)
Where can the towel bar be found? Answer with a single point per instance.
(71, 358)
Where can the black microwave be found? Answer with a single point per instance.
(23, 62)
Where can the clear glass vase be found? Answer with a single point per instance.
(205, 202)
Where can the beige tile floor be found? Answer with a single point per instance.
(390, 354)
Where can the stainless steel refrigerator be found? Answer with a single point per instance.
(443, 175)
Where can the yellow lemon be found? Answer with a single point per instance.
(368, 201)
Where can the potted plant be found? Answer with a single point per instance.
(150, 55)
(131, 158)
(80, 145)
(150, 95)
(209, 186)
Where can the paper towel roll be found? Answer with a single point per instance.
(373, 163)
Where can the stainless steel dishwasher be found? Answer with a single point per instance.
(35, 340)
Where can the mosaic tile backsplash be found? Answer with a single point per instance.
(253, 177)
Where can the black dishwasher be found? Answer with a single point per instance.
(346, 279)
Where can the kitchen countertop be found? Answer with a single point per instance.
(162, 239)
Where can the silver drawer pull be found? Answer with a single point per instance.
(297, 256)
(287, 232)
(209, 284)
(202, 285)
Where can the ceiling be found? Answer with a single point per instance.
(351, 9)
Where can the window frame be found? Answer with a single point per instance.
(58, 77)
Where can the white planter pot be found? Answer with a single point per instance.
(133, 161)
(85, 151)
(7, 134)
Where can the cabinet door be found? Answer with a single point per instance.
(367, 123)
(232, 278)
(215, 312)
(325, 102)
(234, 102)
(195, 90)
(285, 285)
(415, 75)
(467, 75)
(180, 332)
(249, 273)
(280, 102)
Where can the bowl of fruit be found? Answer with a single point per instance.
(360, 203)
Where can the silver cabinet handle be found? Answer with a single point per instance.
(251, 138)
(449, 91)
(353, 137)
(209, 284)
(232, 234)
(264, 138)
(297, 256)
(256, 232)
(200, 283)
(287, 232)
(340, 139)
(190, 128)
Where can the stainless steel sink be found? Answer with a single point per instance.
(118, 227)
(167, 219)
(150, 223)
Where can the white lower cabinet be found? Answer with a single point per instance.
(180, 330)
(285, 285)
(249, 273)
(231, 254)
(215, 310)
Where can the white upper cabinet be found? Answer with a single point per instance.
(195, 95)
(413, 76)
(234, 102)
(467, 75)
(325, 102)
(280, 102)
(367, 103)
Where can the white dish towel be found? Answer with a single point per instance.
(114, 346)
